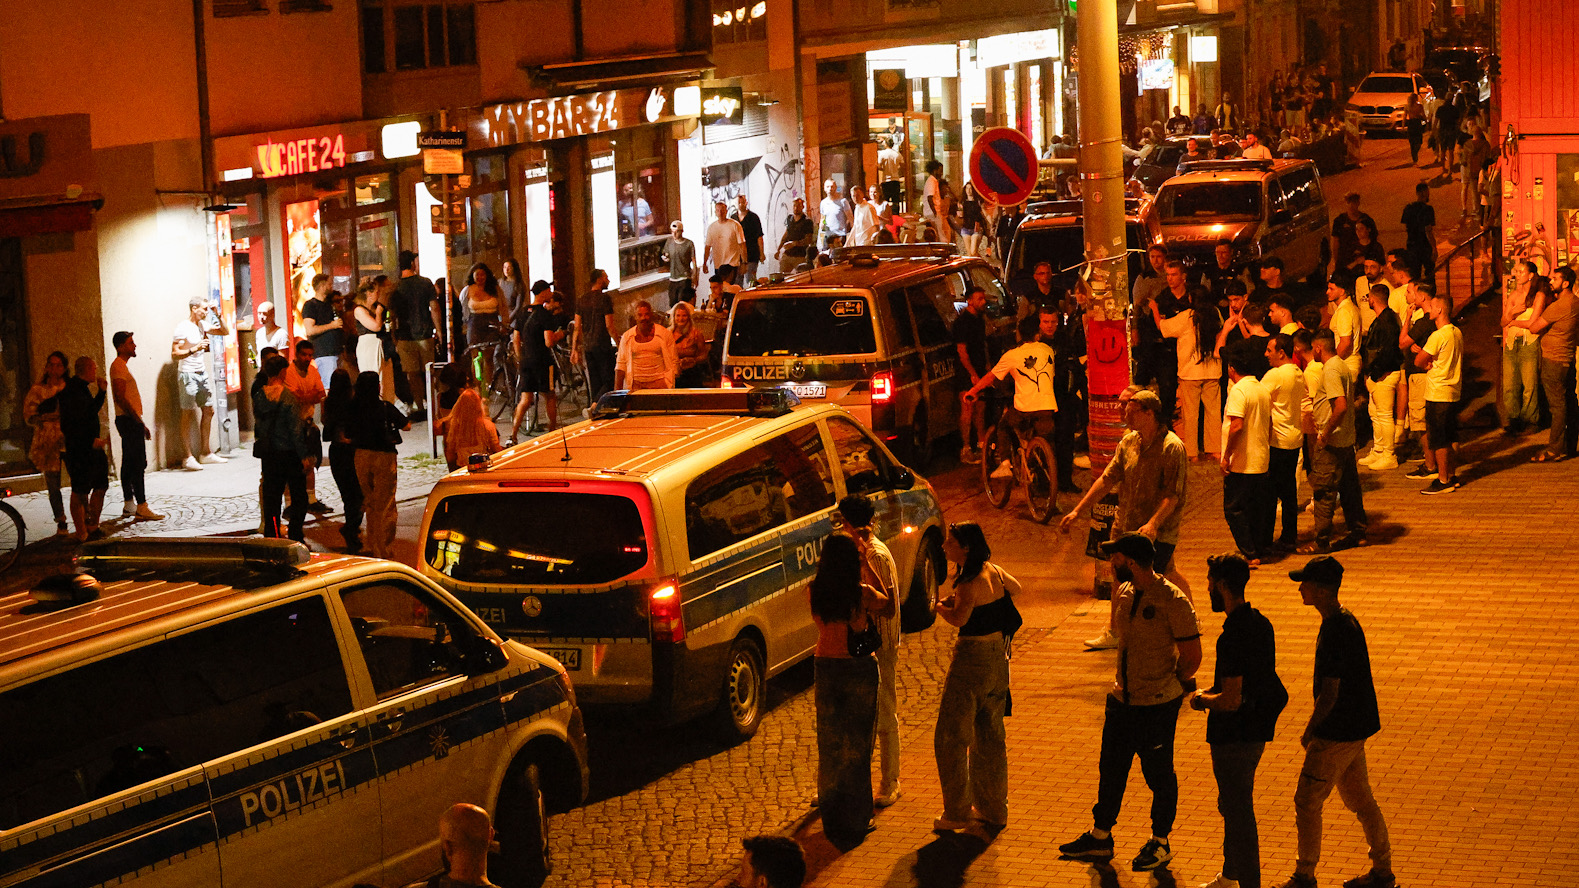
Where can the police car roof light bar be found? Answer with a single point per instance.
(895, 251)
(761, 401)
(247, 553)
(1225, 166)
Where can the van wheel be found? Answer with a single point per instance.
(740, 709)
(920, 442)
(918, 612)
(522, 825)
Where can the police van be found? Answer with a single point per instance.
(871, 333)
(1262, 208)
(238, 712)
(661, 550)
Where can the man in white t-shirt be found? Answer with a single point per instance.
(1247, 442)
(1442, 356)
(189, 348)
(1252, 149)
(724, 241)
(1344, 324)
(1030, 365)
(1285, 385)
(836, 216)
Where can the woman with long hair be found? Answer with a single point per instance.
(973, 224)
(342, 456)
(689, 348)
(483, 307)
(468, 431)
(374, 429)
(972, 756)
(368, 314)
(512, 291)
(1195, 330)
(846, 689)
(41, 410)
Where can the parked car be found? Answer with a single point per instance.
(1160, 162)
(1382, 98)
(1055, 232)
(1262, 207)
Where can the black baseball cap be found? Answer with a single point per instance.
(1132, 545)
(1323, 569)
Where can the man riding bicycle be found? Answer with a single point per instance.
(1030, 365)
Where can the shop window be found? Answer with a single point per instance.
(426, 35)
(642, 197)
(737, 21)
(486, 237)
(374, 189)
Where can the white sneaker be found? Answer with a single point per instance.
(1004, 470)
(1107, 640)
(191, 464)
(968, 456)
(887, 798)
(148, 514)
(1221, 881)
(1383, 463)
(212, 459)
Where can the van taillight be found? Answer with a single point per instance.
(882, 388)
(663, 607)
(724, 382)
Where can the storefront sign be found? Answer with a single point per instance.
(890, 90)
(584, 114)
(723, 106)
(442, 139)
(299, 156)
(1006, 49)
(443, 161)
(308, 151)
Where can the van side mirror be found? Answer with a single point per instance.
(479, 654)
(1282, 217)
(901, 479)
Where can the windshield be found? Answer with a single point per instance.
(536, 538)
(1387, 85)
(1217, 201)
(819, 324)
(1063, 246)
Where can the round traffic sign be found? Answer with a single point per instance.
(1003, 164)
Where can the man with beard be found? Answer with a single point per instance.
(1159, 643)
(1242, 707)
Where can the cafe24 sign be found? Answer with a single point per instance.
(584, 114)
(297, 156)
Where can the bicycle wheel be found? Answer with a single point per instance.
(992, 453)
(1041, 482)
(501, 394)
(13, 536)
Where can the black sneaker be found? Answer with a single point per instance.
(1152, 855)
(1420, 473)
(1087, 847)
(1436, 487)
(318, 507)
(1372, 879)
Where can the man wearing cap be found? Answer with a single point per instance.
(1148, 469)
(1159, 649)
(1344, 716)
(1242, 707)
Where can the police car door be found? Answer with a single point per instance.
(927, 303)
(302, 806)
(427, 716)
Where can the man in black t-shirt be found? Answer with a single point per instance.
(1344, 716)
(751, 224)
(1242, 707)
(1419, 220)
(594, 339)
(414, 309)
(323, 326)
(970, 346)
(1344, 240)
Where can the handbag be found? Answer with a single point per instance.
(1013, 618)
(865, 642)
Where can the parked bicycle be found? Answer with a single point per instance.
(13, 532)
(492, 364)
(1008, 460)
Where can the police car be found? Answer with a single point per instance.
(661, 550)
(238, 712)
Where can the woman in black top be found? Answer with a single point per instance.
(973, 759)
(342, 457)
(374, 429)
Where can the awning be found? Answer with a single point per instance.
(26, 217)
(581, 75)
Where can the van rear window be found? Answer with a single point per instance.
(1225, 201)
(821, 324)
(536, 538)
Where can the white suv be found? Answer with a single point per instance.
(1382, 98)
(198, 712)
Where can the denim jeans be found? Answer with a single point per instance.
(1234, 765)
(972, 754)
(1336, 764)
(1519, 359)
(846, 702)
(1145, 731)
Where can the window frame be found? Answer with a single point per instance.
(352, 648)
(445, 13)
(756, 455)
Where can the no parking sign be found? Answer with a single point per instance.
(1003, 165)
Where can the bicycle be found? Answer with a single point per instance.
(1031, 465)
(497, 359)
(570, 379)
(13, 532)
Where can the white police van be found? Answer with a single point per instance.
(237, 712)
(662, 549)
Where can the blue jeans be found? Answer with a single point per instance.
(1519, 381)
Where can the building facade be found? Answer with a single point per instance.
(1536, 125)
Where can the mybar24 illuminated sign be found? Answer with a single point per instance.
(584, 114)
(723, 106)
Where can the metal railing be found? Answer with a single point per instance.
(1470, 269)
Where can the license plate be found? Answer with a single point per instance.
(810, 390)
(570, 657)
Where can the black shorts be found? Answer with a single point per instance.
(89, 470)
(1441, 424)
(536, 378)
